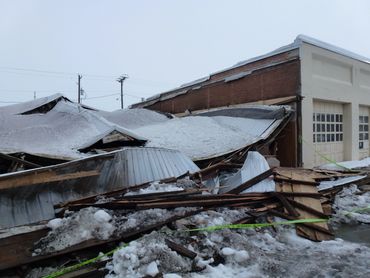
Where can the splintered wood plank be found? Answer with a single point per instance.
(315, 204)
(282, 171)
(43, 177)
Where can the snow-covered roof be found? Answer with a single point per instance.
(67, 130)
(206, 136)
(59, 133)
(300, 39)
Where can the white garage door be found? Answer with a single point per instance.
(328, 131)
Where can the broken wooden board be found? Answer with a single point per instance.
(314, 204)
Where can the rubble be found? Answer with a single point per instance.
(152, 212)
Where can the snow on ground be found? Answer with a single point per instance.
(242, 253)
(263, 252)
(351, 207)
(347, 164)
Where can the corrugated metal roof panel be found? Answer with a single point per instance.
(120, 169)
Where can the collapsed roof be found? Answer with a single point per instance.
(58, 128)
(55, 127)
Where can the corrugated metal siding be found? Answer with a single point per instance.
(128, 167)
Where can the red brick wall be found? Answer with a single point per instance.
(273, 82)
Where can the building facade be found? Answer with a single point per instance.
(328, 87)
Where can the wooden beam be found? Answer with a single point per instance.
(181, 250)
(43, 177)
(290, 209)
(19, 160)
(282, 179)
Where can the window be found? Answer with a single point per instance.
(328, 127)
(363, 132)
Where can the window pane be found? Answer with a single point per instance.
(332, 137)
(323, 127)
(314, 117)
(366, 119)
(313, 128)
(337, 117)
(366, 127)
(366, 136)
(318, 127)
(327, 137)
(361, 136)
(323, 137)
(361, 119)
(361, 128)
(341, 137)
(327, 117)
(340, 118)
(318, 137)
(336, 137)
(332, 117)
(323, 117)
(318, 117)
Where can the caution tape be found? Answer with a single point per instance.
(71, 268)
(357, 210)
(300, 138)
(257, 225)
(209, 229)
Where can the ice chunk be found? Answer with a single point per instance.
(241, 256)
(55, 223)
(227, 251)
(152, 269)
(102, 216)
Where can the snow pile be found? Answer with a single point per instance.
(351, 207)
(156, 187)
(101, 224)
(86, 224)
(347, 164)
(147, 256)
(243, 253)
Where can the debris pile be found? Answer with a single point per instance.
(125, 210)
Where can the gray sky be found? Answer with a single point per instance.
(159, 44)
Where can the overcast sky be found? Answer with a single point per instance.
(158, 44)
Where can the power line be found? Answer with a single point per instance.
(103, 96)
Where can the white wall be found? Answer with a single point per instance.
(328, 76)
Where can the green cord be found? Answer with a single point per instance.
(300, 138)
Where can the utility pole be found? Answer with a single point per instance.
(34, 95)
(121, 79)
(79, 88)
